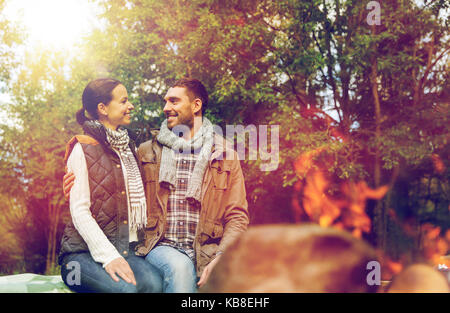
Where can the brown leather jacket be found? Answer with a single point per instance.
(224, 213)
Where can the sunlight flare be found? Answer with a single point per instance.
(53, 24)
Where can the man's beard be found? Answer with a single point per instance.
(189, 122)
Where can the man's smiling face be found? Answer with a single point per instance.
(179, 109)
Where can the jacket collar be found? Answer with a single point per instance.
(99, 133)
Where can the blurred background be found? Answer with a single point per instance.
(359, 89)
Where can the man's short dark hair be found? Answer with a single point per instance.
(195, 90)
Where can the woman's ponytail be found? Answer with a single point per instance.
(81, 117)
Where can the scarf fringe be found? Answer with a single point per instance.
(138, 215)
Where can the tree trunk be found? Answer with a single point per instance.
(55, 231)
(51, 241)
(380, 216)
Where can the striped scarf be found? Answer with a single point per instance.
(119, 139)
(203, 140)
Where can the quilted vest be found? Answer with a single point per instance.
(109, 204)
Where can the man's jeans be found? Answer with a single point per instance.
(94, 277)
(176, 267)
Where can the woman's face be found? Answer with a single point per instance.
(117, 112)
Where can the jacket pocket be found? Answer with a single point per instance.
(220, 173)
(207, 252)
(212, 233)
(150, 169)
(150, 177)
(106, 222)
(102, 217)
(151, 235)
(95, 208)
(152, 223)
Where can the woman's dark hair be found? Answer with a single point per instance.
(97, 91)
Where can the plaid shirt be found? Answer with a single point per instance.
(182, 217)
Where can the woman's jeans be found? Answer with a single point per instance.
(176, 268)
(94, 278)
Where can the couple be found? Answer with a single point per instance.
(155, 219)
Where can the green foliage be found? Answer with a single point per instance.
(10, 38)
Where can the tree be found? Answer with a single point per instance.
(44, 100)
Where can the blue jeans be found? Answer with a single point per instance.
(94, 277)
(176, 268)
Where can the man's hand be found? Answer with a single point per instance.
(68, 181)
(207, 271)
(121, 267)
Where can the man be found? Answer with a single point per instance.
(196, 196)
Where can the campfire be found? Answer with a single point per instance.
(319, 200)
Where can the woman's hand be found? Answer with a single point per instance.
(68, 181)
(121, 267)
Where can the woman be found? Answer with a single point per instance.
(107, 201)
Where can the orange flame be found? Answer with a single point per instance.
(305, 161)
(344, 212)
(389, 267)
(435, 244)
(347, 211)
